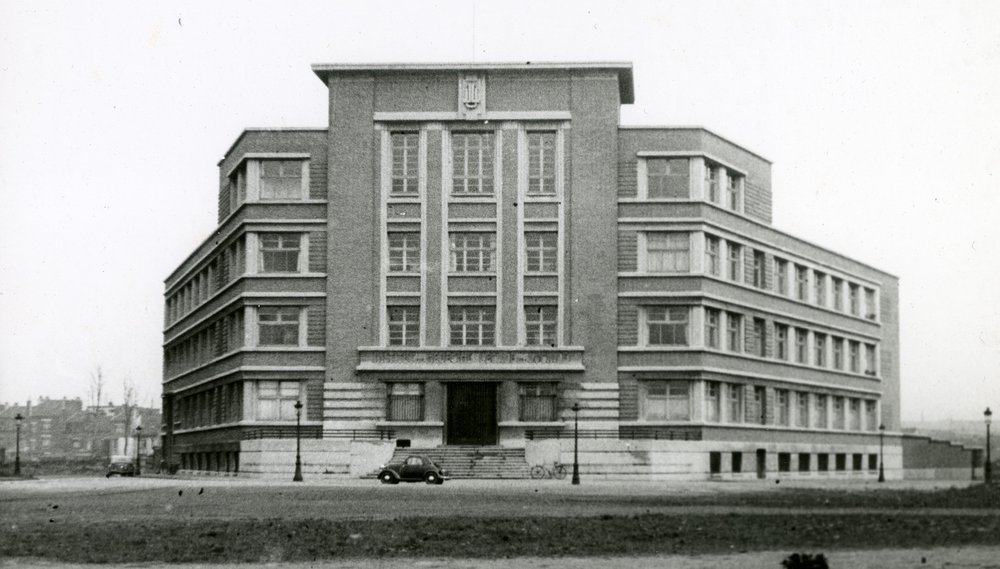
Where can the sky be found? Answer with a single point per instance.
(881, 119)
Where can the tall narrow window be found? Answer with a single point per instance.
(538, 401)
(870, 361)
(473, 252)
(278, 325)
(667, 326)
(734, 398)
(854, 356)
(821, 414)
(712, 317)
(781, 276)
(760, 337)
(760, 405)
(802, 409)
(871, 415)
(838, 353)
(782, 414)
(712, 263)
(735, 252)
(668, 252)
(819, 349)
(405, 162)
(404, 252)
(734, 332)
(801, 342)
(540, 250)
(838, 412)
(406, 402)
(853, 302)
(758, 269)
(667, 178)
(801, 283)
(733, 185)
(781, 341)
(666, 401)
(819, 284)
(540, 325)
(472, 325)
(871, 311)
(854, 412)
(541, 163)
(281, 179)
(713, 401)
(838, 294)
(404, 325)
(712, 182)
(472, 163)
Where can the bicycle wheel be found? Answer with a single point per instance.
(559, 472)
(537, 472)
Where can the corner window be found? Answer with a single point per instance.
(538, 401)
(276, 400)
(541, 249)
(405, 162)
(541, 163)
(473, 252)
(871, 310)
(404, 252)
(472, 325)
(279, 252)
(666, 401)
(281, 179)
(540, 325)
(668, 252)
(406, 402)
(278, 325)
(404, 325)
(667, 326)
(472, 163)
(667, 178)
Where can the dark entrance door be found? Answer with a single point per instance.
(761, 463)
(472, 414)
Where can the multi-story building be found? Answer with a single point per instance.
(469, 252)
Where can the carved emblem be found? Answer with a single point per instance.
(472, 95)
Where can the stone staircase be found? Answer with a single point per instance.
(490, 462)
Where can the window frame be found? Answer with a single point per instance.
(669, 327)
(283, 402)
(540, 253)
(406, 157)
(263, 251)
(544, 329)
(668, 182)
(669, 401)
(411, 394)
(486, 326)
(279, 312)
(403, 257)
(407, 329)
(484, 179)
(673, 257)
(537, 155)
(483, 254)
(303, 178)
(537, 396)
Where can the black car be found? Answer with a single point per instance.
(121, 466)
(415, 468)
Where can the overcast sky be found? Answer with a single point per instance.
(881, 118)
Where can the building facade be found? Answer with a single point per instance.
(468, 252)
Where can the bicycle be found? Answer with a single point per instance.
(558, 471)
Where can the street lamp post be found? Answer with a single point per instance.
(881, 455)
(17, 446)
(576, 444)
(988, 467)
(298, 442)
(138, 451)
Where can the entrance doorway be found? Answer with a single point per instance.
(471, 414)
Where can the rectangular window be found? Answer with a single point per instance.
(819, 350)
(405, 162)
(735, 252)
(822, 462)
(404, 252)
(472, 325)
(733, 183)
(713, 402)
(783, 414)
(734, 398)
(279, 252)
(737, 462)
(667, 178)
(838, 294)
(870, 360)
(871, 415)
(667, 326)
(841, 460)
(760, 405)
(712, 327)
(838, 412)
(237, 188)
(855, 414)
(854, 356)
(404, 325)
(802, 408)
(760, 337)
(781, 276)
(804, 461)
(541, 163)
(666, 401)
(281, 179)
(852, 299)
(781, 341)
(712, 263)
(784, 461)
(473, 252)
(712, 182)
(668, 252)
(758, 269)
(801, 283)
(276, 400)
(838, 353)
(821, 414)
(734, 332)
(538, 401)
(871, 311)
(278, 325)
(406, 402)
(801, 343)
(872, 462)
(819, 286)
(472, 163)
(540, 324)
(541, 249)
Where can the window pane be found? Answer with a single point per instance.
(405, 162)
(281, 179)
(667, 178)
(541, 163)
(279, 252)
(278, 326)
(472, 163)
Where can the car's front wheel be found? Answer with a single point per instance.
(387, 478)
(432, 478)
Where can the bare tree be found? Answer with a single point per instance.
(96, 388)
(129, 398)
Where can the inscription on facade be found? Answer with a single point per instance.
(486, 359)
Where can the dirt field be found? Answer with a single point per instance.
(185, 521)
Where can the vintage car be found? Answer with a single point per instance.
(415, 468)
(121, 466)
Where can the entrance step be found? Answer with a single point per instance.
(490, 462)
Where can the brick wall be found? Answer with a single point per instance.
(628, 251)
(628, 186)
(628, 390)
(317, 252)
(316, 326)
(628, 325)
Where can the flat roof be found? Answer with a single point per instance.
(626, 89)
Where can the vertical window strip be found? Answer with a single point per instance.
(473, 252)
(404, 325)
(472, 163)
(541, 250)
(405, 163)
(472, 325)
(540, 325)
(541, 163)
(404, 252)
